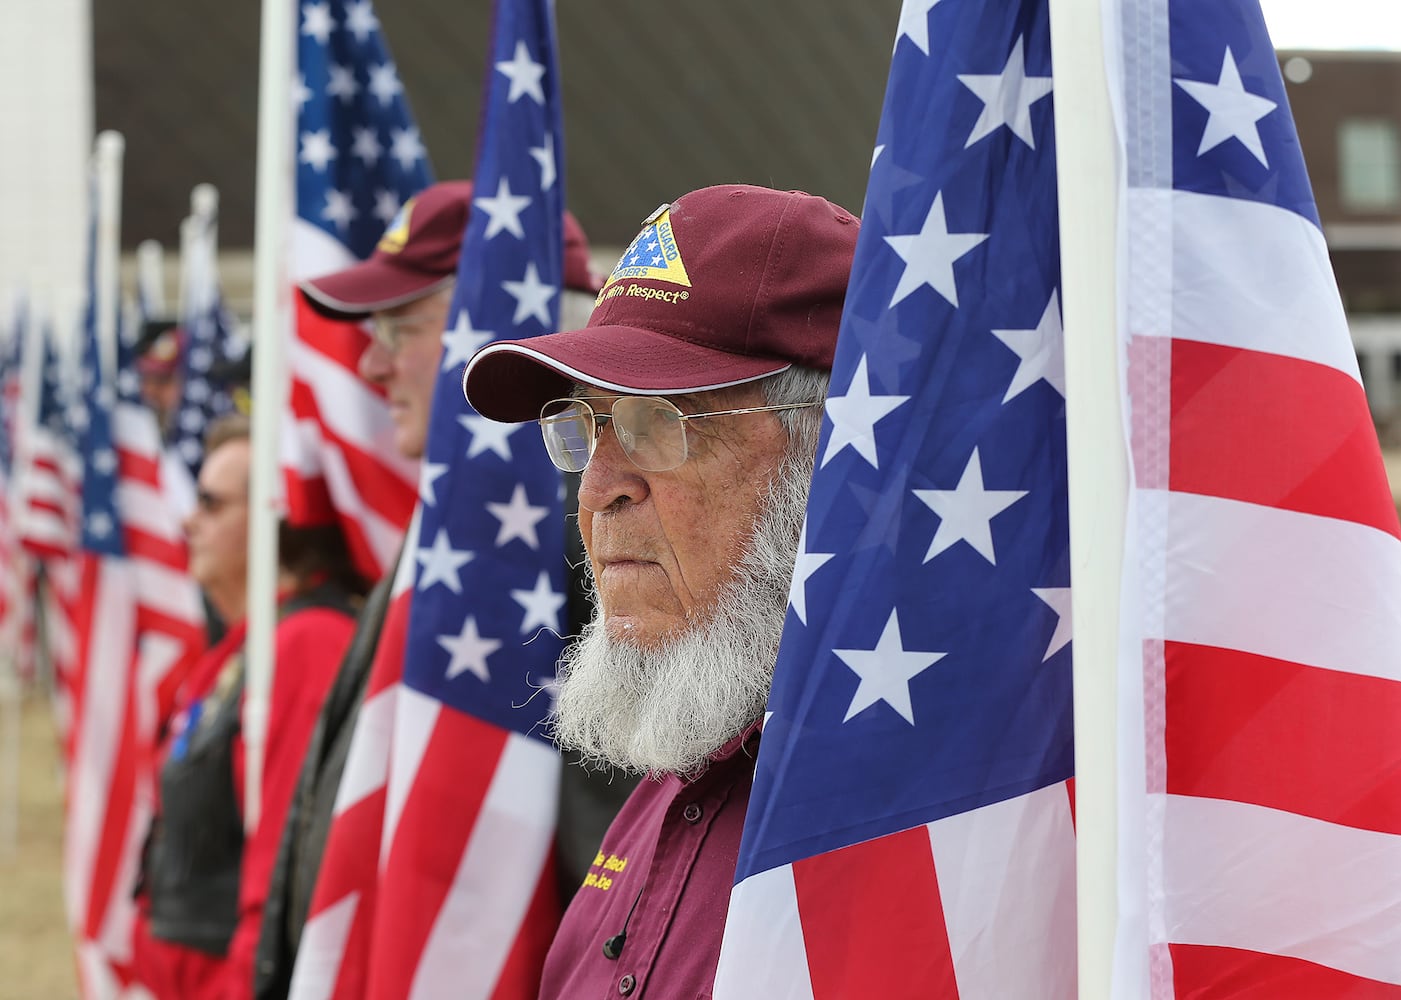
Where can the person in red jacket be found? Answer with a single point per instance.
(204, 873)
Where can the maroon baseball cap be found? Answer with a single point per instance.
(418, 254)
(723, 286)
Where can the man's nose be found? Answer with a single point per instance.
(376, 363)
(611, 478)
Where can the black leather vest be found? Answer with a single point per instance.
(195, 848)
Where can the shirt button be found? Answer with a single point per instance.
(627, 984)
(692, 813)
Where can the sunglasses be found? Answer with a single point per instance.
(212, 503)
(651, 430)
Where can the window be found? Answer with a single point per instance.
(1369, 162)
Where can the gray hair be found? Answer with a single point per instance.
(799, 385)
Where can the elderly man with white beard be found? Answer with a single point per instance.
(691, 405)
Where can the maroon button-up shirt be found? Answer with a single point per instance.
(662, 876)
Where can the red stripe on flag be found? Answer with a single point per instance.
(440, 810)
(1275, 431)
(873, 921)
(1201, 972)
(112, 845)
(342, 342)
(1313, 742)
(162, 551)
(136, 467)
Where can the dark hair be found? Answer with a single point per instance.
(317, 554)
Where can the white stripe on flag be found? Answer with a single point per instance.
(315, 252)
(1006, 874)
(367, 762)
(1234, 881)
(1241, 576)
(383, 537)
(415, 718)
(168, 591)
(145, 508)
(322, 949)
(1252, 276)
(497, 877)
(764, 954)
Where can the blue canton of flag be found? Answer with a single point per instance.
(100, 531)
(925, 669)
(11, 367)
(208, 329)
(359, 154)
(489, 600)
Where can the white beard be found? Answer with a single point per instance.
(667, 710)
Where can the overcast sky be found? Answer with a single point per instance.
(1334, 24)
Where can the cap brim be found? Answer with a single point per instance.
(511, 380)
(370, 286)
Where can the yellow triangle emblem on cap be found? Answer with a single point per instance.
(397, 234)
(653, 254)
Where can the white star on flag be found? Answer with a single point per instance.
(518, 518)
(504, 210)
(360, 19)
(807, 564)
(1041, 352)
(104, 461)
(469, 651)
(1007, 98)
(545, 156)
(301, 93)
(342, 83)
(966, 512)
(525, 75)
(929, 255)
(854, 417)
(462, 341)
(1232, 111)
(100, 524)
(317, 149)
(441, 563)
(339, 209)
(406, 146)
(317, 21)
(428, 475)
(886, 671)
(532, 296)
(384, 82)
(541, 605)
(1058, 600)
(488, 435)
(914, 23)
(365, 146)
(386, 205)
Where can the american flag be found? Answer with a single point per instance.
(1264, 832)
(16, 572)
(360, 157)
(911, 831)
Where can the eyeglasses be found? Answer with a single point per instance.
(651, 429)
(212, 503)
(391, 331)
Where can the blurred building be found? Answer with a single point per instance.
(1347, 106)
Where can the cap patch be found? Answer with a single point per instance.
(653, 254)
(397, 234)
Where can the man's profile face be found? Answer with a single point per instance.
(161, 390)
(217, 529)
(407, 367)
(663, 545)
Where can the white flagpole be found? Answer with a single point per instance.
(150, 276)
(111, 148)
(271, 323)
(1087, 171)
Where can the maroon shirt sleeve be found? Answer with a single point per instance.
(308, 646)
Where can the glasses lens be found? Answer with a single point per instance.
(651, 431)
(568, 428)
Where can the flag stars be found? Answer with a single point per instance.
(469, 651)
(301, 93)
(966, 512)
(366, 146)
(387, 205)
(1058, 600)
(806, 565)
(99, 524)
(914, 23)
(1041, 352)
(488, 435)
(855, 415)
(886, 672)
(929, 255)
(340, 211)
(1232, 111)
(441, 563)
(525, 75)
(406, 147)
(503, 211)
(360, 19)
(428, 475)
(532, 296)
(317, 149)
(462, 341)
(384, 82)
(317, 21)
(541, 605)
(1007, 98)
(545, 157)
(342, 83)
(104, 461)
(518, 518)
